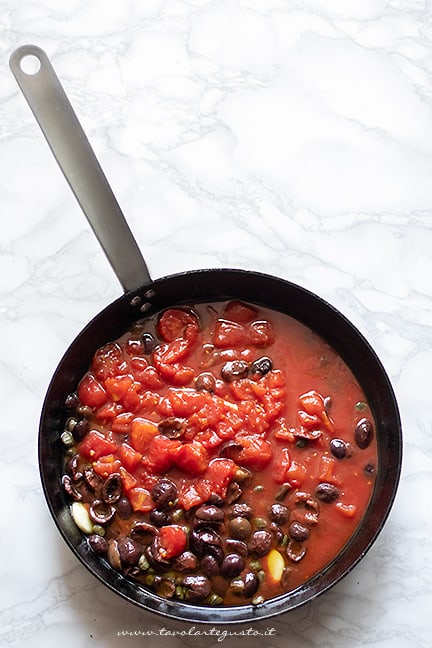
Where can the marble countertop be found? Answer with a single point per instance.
(285, 136)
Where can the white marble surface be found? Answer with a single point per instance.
(287, 136)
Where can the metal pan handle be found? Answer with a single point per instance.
(72, 150)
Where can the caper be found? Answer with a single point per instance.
(260, 523)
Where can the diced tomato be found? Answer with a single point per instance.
(347, 510)
(281, 463)
(129, 457)
(220, 473)
(209, 439)
(149, 401)
(134, 347)
(172, 541)
(282, 432)
(95, 445)
(121, 423)
(189, 496)
(140, 499)
(161, 454)
(228, 334)
(313, 404)
(185, 402)
(106, 465)
(91, 392)
(128, 480)
(131, 399)
(150, 379)
(118, 386)
(175, 323)
(108, 361)
(239, 312)
(260, 334)
(242, 389)
(252, 451)
(327, 470)
(142, 431)
(192, 458)
(109, 411)
(287, 470)
(254, 415)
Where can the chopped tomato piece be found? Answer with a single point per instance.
(209, 439)
(128, 480)
(192, 458)
(131, 399)
(327, 470)
(219, 474)
(150, 378)
(121, 423)
(95, 445)
(176, 323)
(142, 431)
(313, 404)
(347, 510)
(106, 465)
(108, 361)
(140, 499)
(118, 386)
(91, 392)
(228, 334)
(185, 402)
(161, 454)
(252, 451)
(172, 541)
(129, 457)
(287, 470)
(189, 495)
(260, 334)
(238, 312)
(109, 411)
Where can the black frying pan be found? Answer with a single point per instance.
(144, 295)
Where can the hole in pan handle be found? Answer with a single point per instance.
(51, 107)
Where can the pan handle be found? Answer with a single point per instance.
(72, 150)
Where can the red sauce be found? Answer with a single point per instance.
(234, 405)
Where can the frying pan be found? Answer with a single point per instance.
(142, 294)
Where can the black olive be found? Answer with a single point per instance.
(279, 513)
(71, 489)
(241, 510)
(172, 427)
(196, 588)
(72, 468)
(298, 531)
(326, 492)
(80, 429)
(251, 584)
(363, 433)
(112, 488)
(71, 400)
(164, 493)
(205, 381)
(129, 550)
(98, 544)
(149, 342)
(205, 541)
(113, 554)
(209, 513)
(232, 565)
(159, 518)
(234, 370)
(187, 561)
(101, 512)
(210, 566)
(260, 543)
(262, 366)
(240, 528)
(124, 508)
(338, 448)
(164, 586)
(93, 480)
(237, 546)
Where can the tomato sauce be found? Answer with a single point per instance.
(219, 454)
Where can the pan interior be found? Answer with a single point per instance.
(262, 290)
